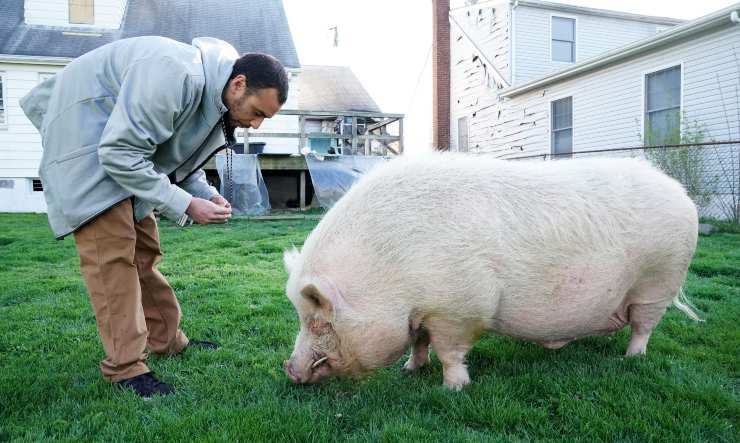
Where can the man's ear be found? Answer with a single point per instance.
(237, 84)
(291, 259)
(324, 296)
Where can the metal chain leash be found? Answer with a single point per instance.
(228, 173)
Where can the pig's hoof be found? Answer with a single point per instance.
(635, 352)
(456, 386)
(457, 380)
(412, 365)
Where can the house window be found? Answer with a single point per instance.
(462, 134)
(36, 185)
(663, 106)
(81, 12)
(3, 120)
(562, 127)
(563, 39)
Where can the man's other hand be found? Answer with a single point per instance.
(219, 200)
(204, 212)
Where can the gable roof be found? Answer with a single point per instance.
(249, 25)
(716, 20)
(332, 88)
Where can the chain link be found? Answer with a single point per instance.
(228, 173)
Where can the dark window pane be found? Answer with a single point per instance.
(562, 113)
(562, 141)
(663, 127)
(663, 89)
(563, 51)
(563, 29)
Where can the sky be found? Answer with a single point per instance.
(387, 44)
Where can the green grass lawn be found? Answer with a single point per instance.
(230, 279)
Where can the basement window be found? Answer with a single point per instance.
(36, 185)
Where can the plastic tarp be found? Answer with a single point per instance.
(248, 192)
(333, 175)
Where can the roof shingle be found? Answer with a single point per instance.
(249, 25)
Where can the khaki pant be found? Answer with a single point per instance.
(134, 305)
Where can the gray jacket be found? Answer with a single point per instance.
(123, 119)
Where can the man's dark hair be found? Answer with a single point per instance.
(262, 71)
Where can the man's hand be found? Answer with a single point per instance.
(219, 200)
(204, 212)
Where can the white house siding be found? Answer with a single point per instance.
(489, 27)
(20, 143)
(473, 87)
(608, 103)
(594, 35)
(108, 13)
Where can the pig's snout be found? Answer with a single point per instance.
(292, 373)
(317, 369)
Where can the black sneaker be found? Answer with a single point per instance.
(202, 344)
(146, 385)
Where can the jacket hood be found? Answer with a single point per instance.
(218, 62)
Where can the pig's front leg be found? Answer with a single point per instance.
(451, 342)
(419, 350)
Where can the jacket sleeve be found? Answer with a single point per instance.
(153, 94)
(197, 185)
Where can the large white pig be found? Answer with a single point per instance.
(436, 250)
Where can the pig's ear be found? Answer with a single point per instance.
(324, 296)
(291, 258)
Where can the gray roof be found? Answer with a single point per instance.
(332, 88)
(249, 25)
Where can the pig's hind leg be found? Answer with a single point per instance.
(419, 349)
(643, 318)
(646, 304)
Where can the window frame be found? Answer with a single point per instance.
(552, 129)
(575, 38)
(643, 113)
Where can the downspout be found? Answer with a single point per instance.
(512, 46)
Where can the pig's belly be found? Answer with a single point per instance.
(580, 297)
(564, 313)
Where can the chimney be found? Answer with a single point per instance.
(441, 74)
